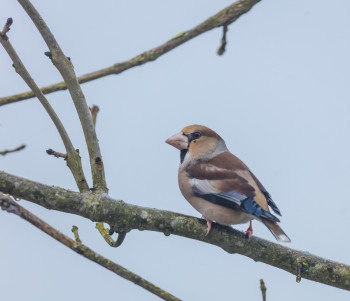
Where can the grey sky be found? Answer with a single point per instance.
(279, 97)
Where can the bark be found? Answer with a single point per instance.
(124, 217)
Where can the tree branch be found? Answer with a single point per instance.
(7, 151)
(65, 67)
(9, 205)
(94, 110)
(222, 47)
(51, 152)
(6, 28)
(263, 289)
(124, 217)
(105, 233)
(73, 159)
(224, 17)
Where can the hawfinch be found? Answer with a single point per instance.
(219, 185)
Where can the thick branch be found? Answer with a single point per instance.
(123, 217)
(73, 159)
(224, 17)
(7, 204)
(65, 67)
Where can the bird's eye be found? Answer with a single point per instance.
(196, 135)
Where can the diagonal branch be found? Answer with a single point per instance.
(7, 151)
(224, 17)
(65, 67)
(73, 159)
(9, 205)
(124, 217)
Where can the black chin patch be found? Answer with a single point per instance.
(183, 153)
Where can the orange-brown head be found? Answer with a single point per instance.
(200, 141)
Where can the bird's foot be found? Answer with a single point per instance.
(249, 231)
(209, 223)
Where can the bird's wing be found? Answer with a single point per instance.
(269, 200)
(225, 188)
(229, 161)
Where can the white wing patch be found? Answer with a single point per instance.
(203, 187)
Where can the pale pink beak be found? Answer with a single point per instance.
(179, 140)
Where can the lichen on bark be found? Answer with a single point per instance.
(124, 217)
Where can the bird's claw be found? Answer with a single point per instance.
(209, 223)
(249, 231)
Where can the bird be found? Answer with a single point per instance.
(219, 185)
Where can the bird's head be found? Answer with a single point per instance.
(200, 141)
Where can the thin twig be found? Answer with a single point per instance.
(73, 160)
(106, 235)
(65, 67)
(9, 205)
(263, 289)
(301, 266)
(51, 152)
(76, 235)
(94, 110)
(7, 151)
(225, 16)
(123, 217)
(6, 28)
(222, 48)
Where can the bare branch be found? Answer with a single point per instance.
(6, 28)
(225, 16)
(94, 110)
(73, 160)
(123, 217)
(7, 151)
(106, 235)
(9, 205)
(222, 48)
(76, 235)
(51, 152)
(300, 269)
(263, 289)
(65, 67)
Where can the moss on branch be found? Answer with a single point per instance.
(123, 217)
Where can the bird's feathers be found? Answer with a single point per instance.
(228, 173)
(225, 187)
(239, 202)
(220, 185)
(276, 230)
(269, 200)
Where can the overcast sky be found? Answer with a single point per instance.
(279, 97)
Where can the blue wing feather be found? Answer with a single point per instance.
(236, 201)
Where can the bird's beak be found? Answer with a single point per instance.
(179, 140)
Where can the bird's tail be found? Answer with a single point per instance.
(276, 230)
